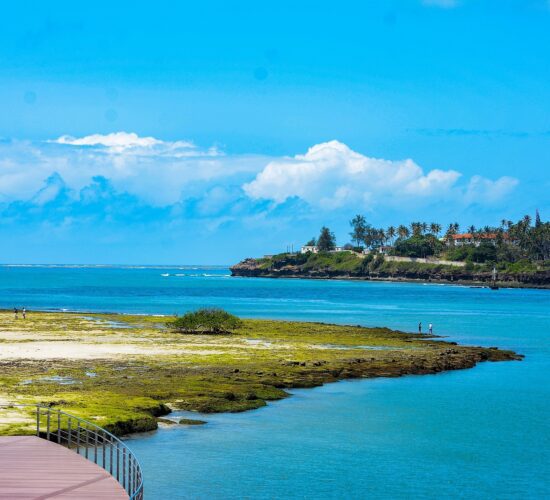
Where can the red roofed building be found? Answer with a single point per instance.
(474, 239)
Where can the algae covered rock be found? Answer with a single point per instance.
(191, 421)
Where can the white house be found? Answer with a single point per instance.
(315, 249)
(309, 248)
(385, 249)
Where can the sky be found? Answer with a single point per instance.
(207, 132)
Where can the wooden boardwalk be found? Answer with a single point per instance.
(33, 468)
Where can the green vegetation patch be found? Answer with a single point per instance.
(206, 320)
(339, 261)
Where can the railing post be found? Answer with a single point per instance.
(48, 424)
(86, 434)
(38, 421)
(58, 427)
(130, 469)
(78, 437)
(136, 478)
(95, 452)
(104, 451)
(69, 432)
(124, 481)
(117, 463)
(110, 457)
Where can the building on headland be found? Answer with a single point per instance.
(384, 249)
(309, 248)
(315, 249)
(459, 240)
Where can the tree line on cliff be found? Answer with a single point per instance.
(508, 242)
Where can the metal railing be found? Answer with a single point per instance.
(92, 442)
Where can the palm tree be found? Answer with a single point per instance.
(416, 228)
(382, 236)
(472, 231)
(359, 225)
(424, 227)
(456, 227)
(403, 231)
(435, 228)
(527, 220)
(390, 232)
(451, 230)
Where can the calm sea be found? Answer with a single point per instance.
(479, 433)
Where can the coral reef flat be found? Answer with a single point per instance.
(125, 372)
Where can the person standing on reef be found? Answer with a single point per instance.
(24, 312)
(430, 328)
(420, 327)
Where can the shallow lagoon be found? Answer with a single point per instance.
(474, 433)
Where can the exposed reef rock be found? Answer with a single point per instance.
(295, 267)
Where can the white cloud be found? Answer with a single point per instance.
(486, 191)
(130, 144)
(160, 173)
(331, 175)
(118, 141)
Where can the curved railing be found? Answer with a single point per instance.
(92, 442)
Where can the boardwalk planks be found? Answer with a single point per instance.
(33, 468)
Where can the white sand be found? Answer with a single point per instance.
(61, 349)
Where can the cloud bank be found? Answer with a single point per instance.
(157, 172)
(122, 175)
(331, 175)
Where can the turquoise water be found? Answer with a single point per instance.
(479, 433)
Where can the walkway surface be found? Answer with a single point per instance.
(33, 468)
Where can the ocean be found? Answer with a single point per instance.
(478, 433)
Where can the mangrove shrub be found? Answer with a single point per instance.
(206, 320)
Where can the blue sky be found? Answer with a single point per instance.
(205, 132)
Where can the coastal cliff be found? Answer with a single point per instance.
(348, 265)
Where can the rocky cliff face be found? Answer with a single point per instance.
(260, 268)
(247, 267)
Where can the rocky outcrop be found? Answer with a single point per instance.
(428, 273)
